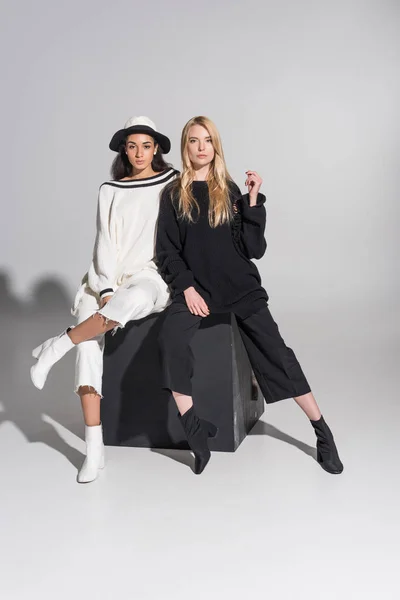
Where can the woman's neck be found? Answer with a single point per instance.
(201, 174)
(148, 172)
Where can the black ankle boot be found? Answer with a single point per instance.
(197, 432)
(327, 454)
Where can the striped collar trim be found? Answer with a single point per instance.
(146, 181)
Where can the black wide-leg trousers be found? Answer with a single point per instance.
(275, 366)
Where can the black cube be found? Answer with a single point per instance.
(136, 411)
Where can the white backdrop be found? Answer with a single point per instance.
(307, 93)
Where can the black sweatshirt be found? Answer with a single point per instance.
(215, 261)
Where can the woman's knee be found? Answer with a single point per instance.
(144, 297)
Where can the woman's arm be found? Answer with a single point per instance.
(102, 272)
(253, 226)
(173, 268)
(251, 220)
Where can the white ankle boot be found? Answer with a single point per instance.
(48, 354)
(94, 460)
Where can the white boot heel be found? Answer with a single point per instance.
(94, 460)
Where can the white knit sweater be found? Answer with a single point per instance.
(126, 220)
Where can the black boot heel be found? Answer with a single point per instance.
(212, 429)
(197, 434)
(327, 454)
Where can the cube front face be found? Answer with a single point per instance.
(136, 411)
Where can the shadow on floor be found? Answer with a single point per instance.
(262, 428)
(183, 457)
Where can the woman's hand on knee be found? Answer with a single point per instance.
(196, 303)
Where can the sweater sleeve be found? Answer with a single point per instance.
(173, 268)
(248, 222)
(102, 272)
(253, 226)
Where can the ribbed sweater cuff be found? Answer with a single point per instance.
(106, 292)
(261, 199)
(254, 214)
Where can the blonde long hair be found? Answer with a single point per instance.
(220, 209)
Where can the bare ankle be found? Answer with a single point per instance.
(183, 402)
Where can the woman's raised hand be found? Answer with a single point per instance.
(195, 303)
(253, 183)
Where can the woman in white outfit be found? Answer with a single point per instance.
(122, 283)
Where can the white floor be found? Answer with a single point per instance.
(265, 521)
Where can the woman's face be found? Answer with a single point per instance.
(140, 149)
(200, 147)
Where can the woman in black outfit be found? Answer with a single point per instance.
(207, 234)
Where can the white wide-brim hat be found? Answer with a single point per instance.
(139, 125)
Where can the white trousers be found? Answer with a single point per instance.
(131, 301)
